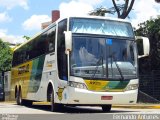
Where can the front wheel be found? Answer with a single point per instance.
(106, 108)
(54, 106)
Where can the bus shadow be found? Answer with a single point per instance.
(77, 109)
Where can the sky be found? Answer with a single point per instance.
(24, 17)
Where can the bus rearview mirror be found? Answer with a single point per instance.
(143, 46)
(68, 40)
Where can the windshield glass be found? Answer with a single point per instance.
(101, 26)
(103, 58)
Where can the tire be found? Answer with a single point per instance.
(20, 101)
(19, 97)
(54, 106)
(106, 108)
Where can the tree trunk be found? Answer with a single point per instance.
(126, 9)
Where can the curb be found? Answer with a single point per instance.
(137, 106)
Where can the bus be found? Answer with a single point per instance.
(90, 61)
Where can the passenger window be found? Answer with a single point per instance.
(51, 39)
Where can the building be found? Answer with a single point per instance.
(5, 79)
(55, 16)
(7, 83)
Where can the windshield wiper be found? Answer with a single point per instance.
(120, 72)
(97, 65)
(118, 68)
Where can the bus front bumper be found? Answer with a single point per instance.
(82, 96)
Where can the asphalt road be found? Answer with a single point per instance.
(11, 111)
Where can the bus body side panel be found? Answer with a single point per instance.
(20, 78)
(48, 75)
(27, 77)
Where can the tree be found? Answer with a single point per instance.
(5, 56)
(122, 10)
(100, 11)
(26, 37)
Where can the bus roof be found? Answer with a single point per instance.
(60, 19)
(96, 17)
(27, 41)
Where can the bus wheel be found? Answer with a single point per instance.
(54, 106)
(19, 97)
(106, 108)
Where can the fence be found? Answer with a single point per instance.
(150, 87)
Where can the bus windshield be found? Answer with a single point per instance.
(104, 58)
(101, 26)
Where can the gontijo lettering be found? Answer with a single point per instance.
(23, 69)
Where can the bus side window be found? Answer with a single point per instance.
(61, 56)
(51, 39)
(39, 46)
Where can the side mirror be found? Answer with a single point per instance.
(68, 40)
(143, 46)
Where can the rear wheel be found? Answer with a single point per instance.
(21, 101)
(19, 97)
(106, 108)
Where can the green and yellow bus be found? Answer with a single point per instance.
(78, 61)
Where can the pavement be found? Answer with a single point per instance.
(133, 106)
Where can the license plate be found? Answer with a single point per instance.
(106, 97)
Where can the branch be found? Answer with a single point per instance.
(125, 8)
(130, 7)
(116, 8)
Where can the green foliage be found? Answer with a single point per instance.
(26, 37)
(101, 11)
(150, 29)
(5, 56)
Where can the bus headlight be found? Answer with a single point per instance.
(132, 87)
(77, 85)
